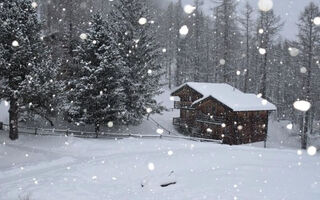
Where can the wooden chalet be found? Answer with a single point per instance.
(222, 112)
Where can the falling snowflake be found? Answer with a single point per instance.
(34, 4)
(151, 166)
(83, 36)
(316, 21)
(164, 50)
(184, 30)
(299, 152)
(160, 131)
(303, 106)
(149, 110)
(303, 70)
(290, 126)
(294, 52)
(261, 31)
(222, 61)
(312, 150)
(170, 153)
(143, 21)
(15, 43)
(262, 51)
(110, 124)
(264, 102)
(209, 130)
(189, 9)
(265, 5)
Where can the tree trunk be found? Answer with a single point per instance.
(304, 133)
(264, 77)
(13, 119)
(97, 129)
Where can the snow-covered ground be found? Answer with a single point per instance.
(51, 168)
(4, 115)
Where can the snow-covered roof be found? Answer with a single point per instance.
(229, 96)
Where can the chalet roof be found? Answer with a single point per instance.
(229, 96)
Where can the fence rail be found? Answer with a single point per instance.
(84, 134)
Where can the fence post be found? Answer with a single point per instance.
(35, 131)
(97, 134)
(67, 133)
(1, 125)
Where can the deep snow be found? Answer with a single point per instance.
(52, 168)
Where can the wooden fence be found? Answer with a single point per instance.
(85, 134)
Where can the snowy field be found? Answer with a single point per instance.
(51, 168)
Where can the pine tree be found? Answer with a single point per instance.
(197, 51)
(132, 23)
(269, 26)
(168, 39)
(25, 63)
(180, 43)
(309, 43)
(227, 37)
(247, 30)
(96, 93)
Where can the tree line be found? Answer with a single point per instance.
(242, 46)
(53, 57)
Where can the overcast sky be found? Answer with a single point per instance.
(289, 10)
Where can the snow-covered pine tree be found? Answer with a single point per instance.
(309, 44)
(95, 93)
(132, 24)
(42, 90)
(22, 65)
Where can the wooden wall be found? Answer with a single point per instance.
(253, 125)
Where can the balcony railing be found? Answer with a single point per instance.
(179, 121)
(211, 119)
(182, 104)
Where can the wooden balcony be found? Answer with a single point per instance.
(177, 121)
(210, 119)
(182, 105)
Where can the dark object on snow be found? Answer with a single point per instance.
(1, 125)
(168, 184)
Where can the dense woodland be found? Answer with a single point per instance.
(97, 61)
